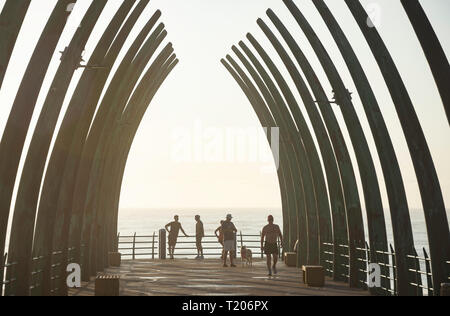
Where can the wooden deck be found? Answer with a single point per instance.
(183, 277)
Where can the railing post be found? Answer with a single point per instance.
(430, 286)
(2, 273)
(394, 269)
(235, 246)
(368, 262)
(118, 242)
(262, 252)
(242, 242)
(134, 246)
(419, 291)
(153, 246)
(162, 244)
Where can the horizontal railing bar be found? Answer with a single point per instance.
(420, 272)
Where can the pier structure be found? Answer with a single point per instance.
(67, 203)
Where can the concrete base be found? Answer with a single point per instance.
(290, 259)
(115, 259)
(314, 276)
(107, 285)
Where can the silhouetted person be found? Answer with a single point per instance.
(199, 234)
(229, 245)
(269, 242)
(219, 234)
(173, 234)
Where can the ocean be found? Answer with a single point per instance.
(247, 221)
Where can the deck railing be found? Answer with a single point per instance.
(387, 262)
(8, 280)
(147, 246)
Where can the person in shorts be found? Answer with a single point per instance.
(269, 243)
(175, 228)
(199, 234)
(229, 240)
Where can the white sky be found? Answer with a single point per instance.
(200, 91)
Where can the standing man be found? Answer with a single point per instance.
(229, 243)
(199, 234)
(173, 234)
(269, 239)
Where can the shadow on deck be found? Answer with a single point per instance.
(184, 277)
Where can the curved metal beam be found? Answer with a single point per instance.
(75, 152)
(317, 199)
(329, 159)
(118, 155)
(374, 206)
(12, 16)
(105, 171)
(353, 205)
(33, 169)
(17, 126)
(432, 48)
(430, 189)
(25, 213)
(286, 160)
(401, 221)
(75, 125)
(85, 196)
(297, 164)
(84, 148)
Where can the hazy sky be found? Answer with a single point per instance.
(201, 100)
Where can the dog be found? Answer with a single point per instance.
(246, 256)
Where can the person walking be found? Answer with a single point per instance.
(269, 243)
(229, 243)
(199, 234)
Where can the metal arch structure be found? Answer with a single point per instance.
(427, 177)
(18, 123)
(86, 197)
(97, 229)
(21, 239)
(126, 130)
(30, 182)
(49, 243)
(322, 216)
(299, 166)
(284, 170)
(347, 174)
(263, 102)
(79, 114)
(79, 193)
(398, 204)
